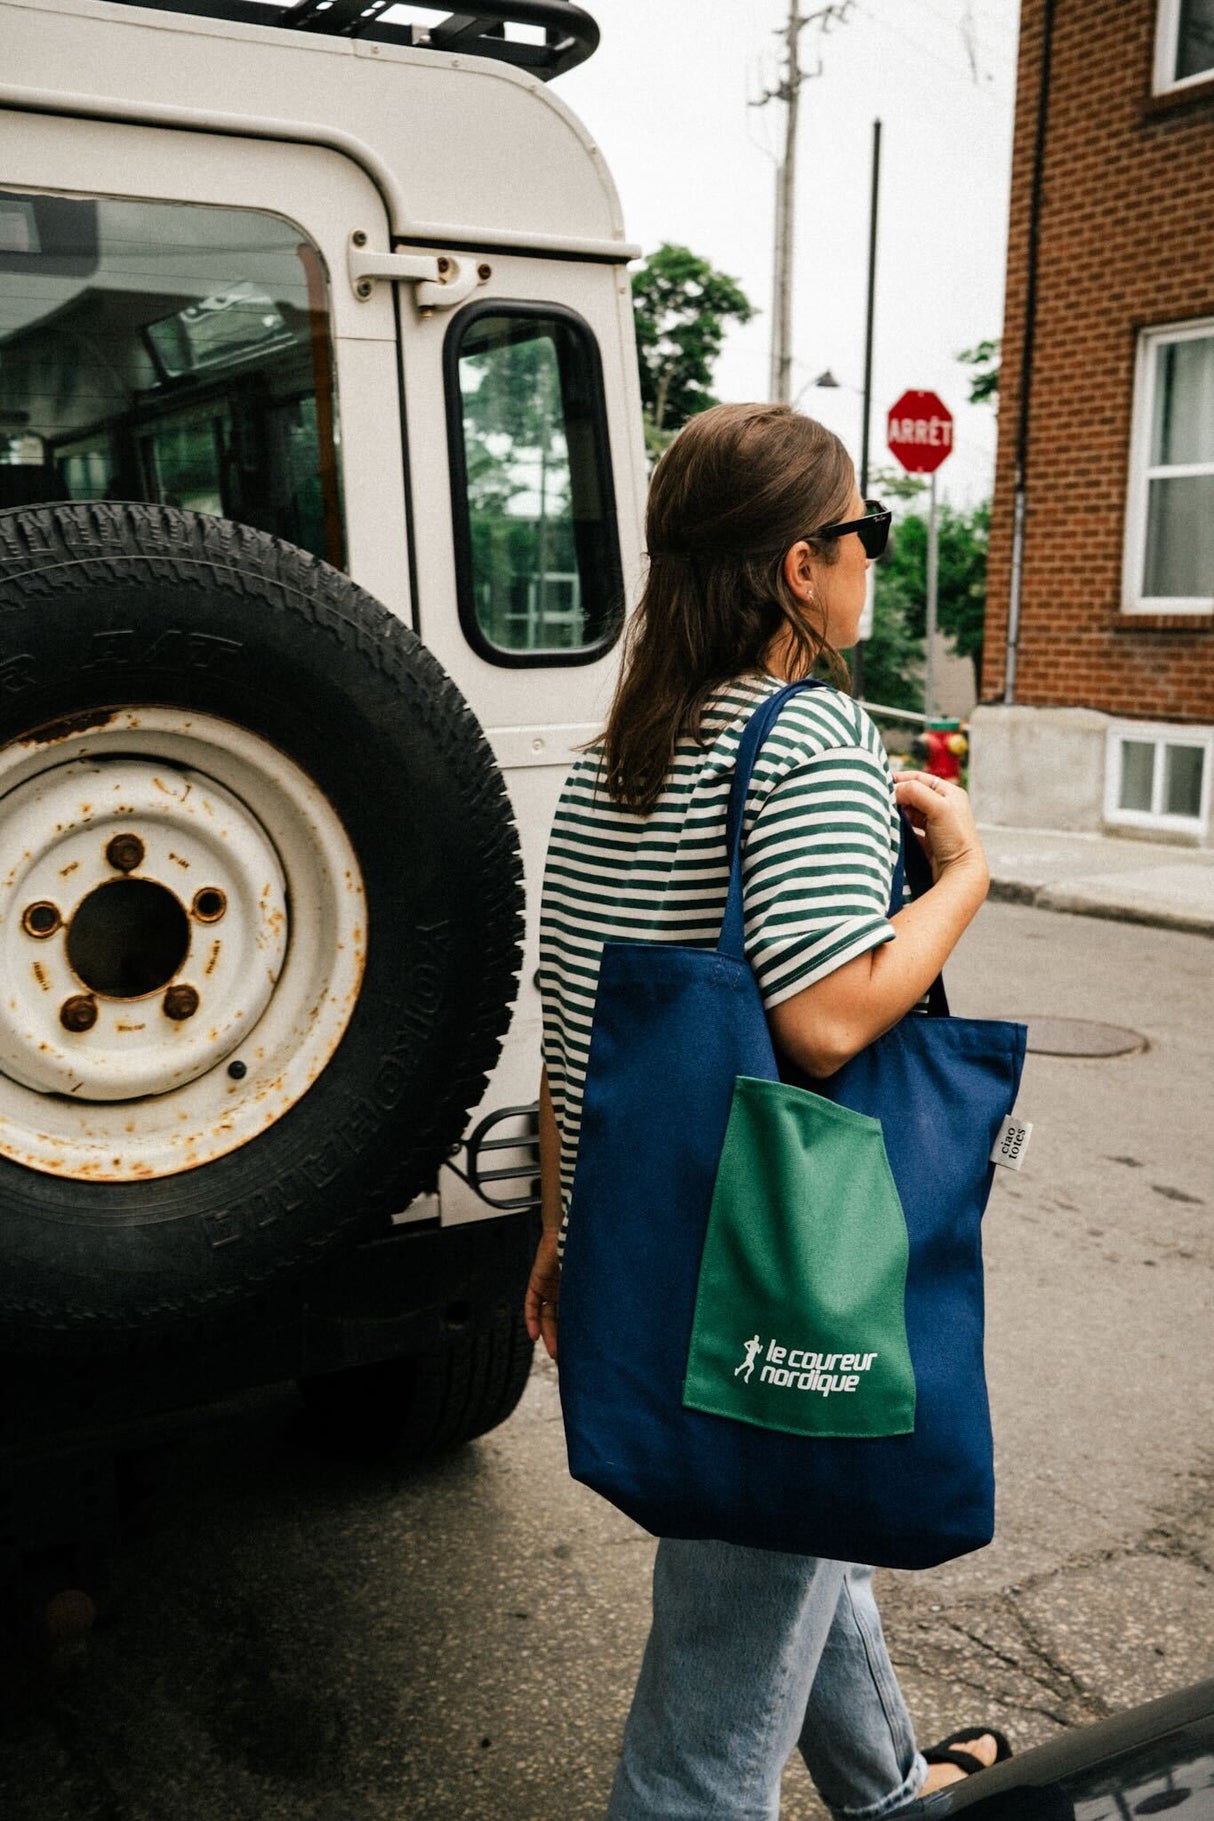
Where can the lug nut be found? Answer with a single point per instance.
(40, 920)
(79, 1013)
(180, 1002)
(209, 904)
(124, 853)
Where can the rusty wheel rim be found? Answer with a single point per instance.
(179, 974)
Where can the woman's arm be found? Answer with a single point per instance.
(829, 1022)
(543, 1289)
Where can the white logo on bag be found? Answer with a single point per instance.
(800, 1370)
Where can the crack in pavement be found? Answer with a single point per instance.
(1097, 1707)
(957, 1679)
(991, 1646)
(1058, 1673)
(1076, 1641)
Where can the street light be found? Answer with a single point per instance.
(825, 382)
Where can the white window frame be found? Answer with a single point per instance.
(1133, 600)
(1160, 734)
(1167, 44)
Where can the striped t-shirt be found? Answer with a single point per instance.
(820, 841)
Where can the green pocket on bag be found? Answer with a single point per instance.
(800, 1320)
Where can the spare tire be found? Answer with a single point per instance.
(260, 916)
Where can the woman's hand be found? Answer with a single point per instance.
(941, 812)
(543, 1293)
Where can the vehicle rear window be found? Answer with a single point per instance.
(169, 352)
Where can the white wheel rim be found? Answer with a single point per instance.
(182, 942)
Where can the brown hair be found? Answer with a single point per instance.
(737, 487)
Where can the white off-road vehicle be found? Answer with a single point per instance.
(320, 485)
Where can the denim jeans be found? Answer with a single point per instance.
(752, 1653)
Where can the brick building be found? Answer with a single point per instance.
(1098, 685)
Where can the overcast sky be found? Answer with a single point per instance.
(665, 96)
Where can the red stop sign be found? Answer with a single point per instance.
(920, 431)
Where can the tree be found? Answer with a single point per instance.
(984, 382)
(898, 483)
(682, 306)
(961, 583)
(893, 655)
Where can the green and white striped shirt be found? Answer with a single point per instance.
(820, 841)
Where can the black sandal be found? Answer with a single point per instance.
(948, 1752)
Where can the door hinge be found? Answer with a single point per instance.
(440, 280)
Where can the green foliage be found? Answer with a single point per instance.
(984, 382)
(893, 656)
(896, 483)
(682, 306)
(656, 441)
(961, 590)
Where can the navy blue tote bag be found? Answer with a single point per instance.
(663, 1239)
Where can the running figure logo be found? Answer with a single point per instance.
(753, 1349)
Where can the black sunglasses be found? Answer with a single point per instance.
(872, 529)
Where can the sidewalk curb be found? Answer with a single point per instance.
(1076, 904)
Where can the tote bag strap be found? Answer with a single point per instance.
(912, 863)
(914, 868)
(733, 926)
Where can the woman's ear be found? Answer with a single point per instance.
(798, 570)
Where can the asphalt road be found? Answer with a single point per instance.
(291, 1639)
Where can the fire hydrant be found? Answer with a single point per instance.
(947, 747)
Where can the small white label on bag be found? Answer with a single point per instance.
(1012, 1142)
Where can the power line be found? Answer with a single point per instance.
(964, 23)
(982, 87)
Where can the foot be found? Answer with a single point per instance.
(983, 1746)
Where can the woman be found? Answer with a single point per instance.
(759, 546)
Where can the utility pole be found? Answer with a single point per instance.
(789, 92)
(870, 311)
(780, 381)
(870, 592)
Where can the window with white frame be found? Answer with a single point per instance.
(1158, 776)
(1184, 43)
(1169, 552)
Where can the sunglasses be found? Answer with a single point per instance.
(872, 529)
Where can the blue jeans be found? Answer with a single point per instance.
(753, 1653)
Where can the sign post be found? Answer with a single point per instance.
(920, 434)
(933, 584)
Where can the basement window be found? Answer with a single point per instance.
(1169, 552)
(1158, 777)
(1184, 43)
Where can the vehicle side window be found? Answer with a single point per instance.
(168, 352)
(537, 556)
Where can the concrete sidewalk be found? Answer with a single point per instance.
(1104, 876)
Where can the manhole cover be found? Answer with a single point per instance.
(1081, 1037)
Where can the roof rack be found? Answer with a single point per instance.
(570, 34)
